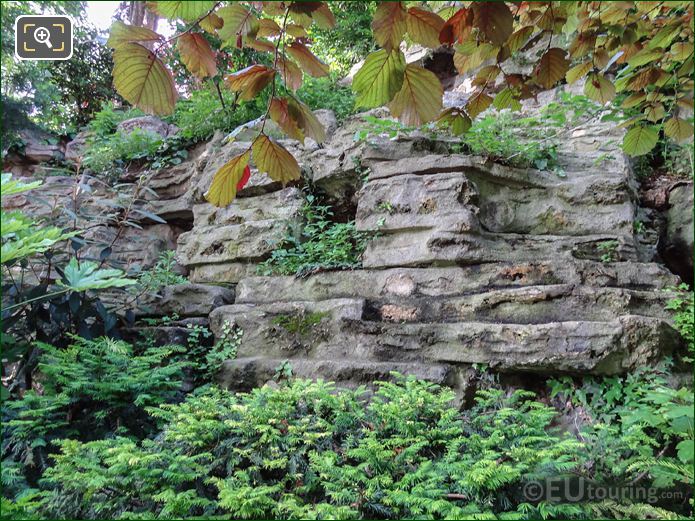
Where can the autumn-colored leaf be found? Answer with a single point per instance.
(519, 38)
(457, 28)
(307, 61)
(582, 45)
(185, 10)
(506, 99)
(640, 140)
(599, 88)
(268, 27)
(494, 19)
(654, 112)
(273, 8)
(229, 180)
(297, 31)
(578, 71)
(196, 55)
(259, 45)
(681, 51)
(486, 75)
(552, 67)
(121, 33)
(645, 56)
(290, 73)
(456, 119)
(466, 62)
(389, 24)
(306, 120)
(274, 160)
(478, 103)
(379, 79)
(238, 22)
(324, 17)
(633, 100)
(303, 7)
(250, 81)
(143, 80)
(280, 113)
(678, 129)
(424, 26)
(211, 23)
(420, 97)
(643, 79)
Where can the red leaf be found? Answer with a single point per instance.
(457, 28)
(244, 178)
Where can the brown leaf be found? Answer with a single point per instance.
(290, 73)
(424, 27)
(268, 27)
(197, 55)
(250, 81)
(478, 103)
(306, 120)
(457, 28)
(274, 160)
(494, 19)
(551, 68)
(324, 17)
(307, 61)
(280, 113)
(259, 45)
(420, 97)
(389, 24)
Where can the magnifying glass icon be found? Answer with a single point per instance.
(42, 35)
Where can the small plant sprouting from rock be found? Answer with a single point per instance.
(608, 251)
(684, 315)
(321, 245)
(162, 274)
(210, 359)
(283, 371)
(301, 327)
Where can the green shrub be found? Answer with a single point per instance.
(326, 93)
(322, 245)
(105, 121)
(162, 274)
(684, 314)
(111, 154)
(308, 451)
(200, 115)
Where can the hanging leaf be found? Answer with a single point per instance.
(121, 33)
(633, 100)
(268, 27)
(259, 45)
(681, 50)
(478, 104)
(297, 31)
(324, 17)
(598, 88)
(456, 119)
(519, 38)
(552, 67)
(424, 27)
(229, 180)
(274, 160)
(420, 97)
(290, 73)
(654, 112)
(457, 28)
(486, 75)
(389, 24)
(211, 23)
(379, 79)
(494, 19)
(143, 80)
(280, 113)
(645, 56)
(307, 61)
(306, 120)
(578, 71)
(185, 10)
(238, 22)
(196, 55)
(250, 81)
(678, 129)
(505, 99)
(640, 140)
(303, 7)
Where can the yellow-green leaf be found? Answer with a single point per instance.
(197, 55)
(238, 22)
(598, 88)
(477, 104)
(578, 71)
(268, 27)
(211, 23)
(654, 112)
(224, 185)
(307, 61)
(121, 33)
(645, 56)
(380, 78)
(424, 26)
(640, 140)
(324, 17)
(681, 50)
(519, 38)
(274, 160)
(143, 80)
(505, 99)
(678, 129)
(420, 97)
(633, 100)
(250, 81)
(389, 24)
(552, 67)
(456, 119)
(185, 10)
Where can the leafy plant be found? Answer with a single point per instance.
(321, 245)
(608, 251)
(162, 274)
(104, 122)
(112, 154)
(327, 93)
(684, 314)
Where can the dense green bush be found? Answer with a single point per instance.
(326, 93)
(108, 154)
(320, 244)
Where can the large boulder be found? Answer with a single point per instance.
(148, 124)
(677, 249)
